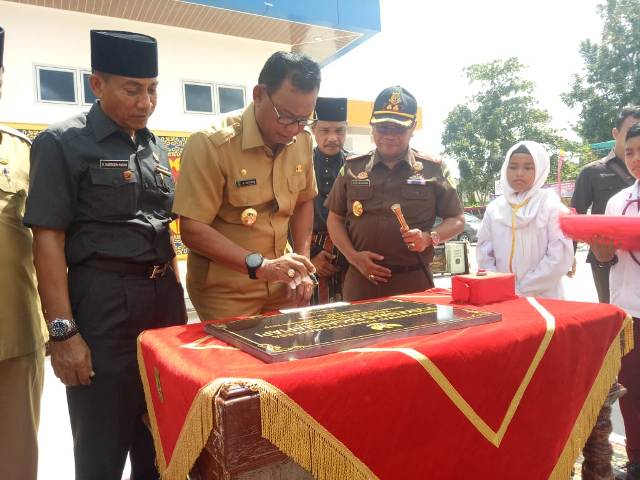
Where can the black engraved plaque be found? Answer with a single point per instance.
(289, 336)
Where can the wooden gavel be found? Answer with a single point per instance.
(404, 226)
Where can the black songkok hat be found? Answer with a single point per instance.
(331, 109)
(395, 105)
(1, 45)
(124, 53)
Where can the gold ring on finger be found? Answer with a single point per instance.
(372, 277)
(291, 273)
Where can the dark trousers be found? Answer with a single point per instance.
(111, 310)
(630, 403)
(601, 281)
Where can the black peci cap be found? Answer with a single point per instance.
(394, 105)
(331, 109)
(124, 53)
(1, 45)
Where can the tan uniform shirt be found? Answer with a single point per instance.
(22, 328)
(224, 172)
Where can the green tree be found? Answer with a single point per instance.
(611, 72)
(501, 112)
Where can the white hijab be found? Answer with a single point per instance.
(536, 195)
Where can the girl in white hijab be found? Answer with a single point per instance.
(520, 231)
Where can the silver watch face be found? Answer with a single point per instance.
(60, 327)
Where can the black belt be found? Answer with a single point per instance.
(403, 268)
(118, 266)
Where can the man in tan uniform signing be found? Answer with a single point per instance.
(383, 259)
(242, 188)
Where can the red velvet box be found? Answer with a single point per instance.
(482, 289)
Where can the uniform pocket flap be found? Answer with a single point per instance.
(360, 192)
(416, 191)
(112, 178)
(297, 182)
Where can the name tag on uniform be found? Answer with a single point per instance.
(361, 182)
(114, 163)
(246, 183)
(416, 181)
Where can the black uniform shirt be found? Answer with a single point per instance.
(597, 183)
(89, 179)
(327, 170)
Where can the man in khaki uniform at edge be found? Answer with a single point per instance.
(383, 260)
(22, 330)
(242, 187)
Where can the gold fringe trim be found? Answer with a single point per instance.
(627, 339)
(304, 440)
(160, 460)
(594, 402)
(195, 432)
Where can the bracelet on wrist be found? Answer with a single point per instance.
(609, 263)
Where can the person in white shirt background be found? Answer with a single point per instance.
(520, 231)
(624, 278)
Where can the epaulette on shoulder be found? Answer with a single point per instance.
(15, 133)
(223, 135)
(426, 157)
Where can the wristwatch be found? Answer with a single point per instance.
(435, 238)
(609, 263)
(254, 262)
(61, 329)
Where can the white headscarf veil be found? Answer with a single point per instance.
(534, 197)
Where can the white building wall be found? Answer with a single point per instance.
(58, 38)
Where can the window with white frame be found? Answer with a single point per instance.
(230, 98)
(56, 85)
(88, 98)
(198, 97)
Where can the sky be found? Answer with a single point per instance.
(424, 46)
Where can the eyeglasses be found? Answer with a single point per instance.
(288, 121)
(390, 129)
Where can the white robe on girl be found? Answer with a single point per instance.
(534, 249)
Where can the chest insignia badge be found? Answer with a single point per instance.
(298, 168)
(357, 208)
(362, 175)
(4, 161)
(243, 172)
(249, 216)
(127, 175)
(417, 167)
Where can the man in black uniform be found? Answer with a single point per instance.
(596, 184)
(100, 200)
(330, 132)
(601, 180)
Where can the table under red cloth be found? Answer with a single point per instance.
(520, 395)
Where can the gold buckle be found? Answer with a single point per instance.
(158, 271)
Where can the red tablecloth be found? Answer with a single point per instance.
(520, 395)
